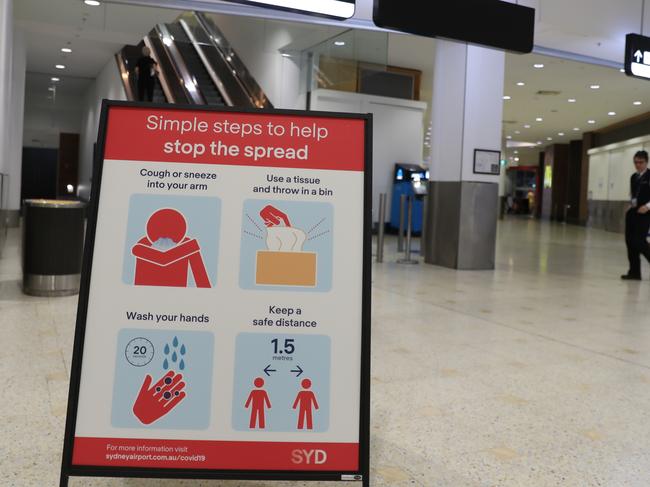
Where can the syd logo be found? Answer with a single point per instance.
(309, 457)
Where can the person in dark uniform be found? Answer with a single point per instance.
(637, 219)
(145, 71)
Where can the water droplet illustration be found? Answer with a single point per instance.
(175, 342)
(165, 364)
(183, 350)
(174, 357)
(182, 365)
(167, 349)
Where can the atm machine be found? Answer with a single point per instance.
(409, 180)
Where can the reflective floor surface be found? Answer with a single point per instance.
(537, 374)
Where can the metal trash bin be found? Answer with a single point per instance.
(53, 235)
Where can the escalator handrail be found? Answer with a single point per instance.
(125, 76)
(185, 77)
(206, 63)
(229, 55)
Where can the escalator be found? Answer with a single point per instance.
(196, 65)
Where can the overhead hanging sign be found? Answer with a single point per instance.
(637, 56)
(339, 9)
(223, 322)
(490, 23)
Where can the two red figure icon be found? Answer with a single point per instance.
(154, 402)
(258, 400)
(165, 255)
(273, 217)
(306, 401)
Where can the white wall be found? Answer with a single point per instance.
(610, 169)
(107, 85)
(14, 146)
(45, 121)
(397, 132)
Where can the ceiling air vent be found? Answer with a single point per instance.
(548, 93)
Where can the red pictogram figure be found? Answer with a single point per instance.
(273, 217)
(306, 399)
(168, 266)
(154, 402)
(257, 400)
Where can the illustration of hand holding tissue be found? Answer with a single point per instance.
(165, 255)
(284, 263)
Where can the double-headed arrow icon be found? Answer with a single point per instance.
(298, 370)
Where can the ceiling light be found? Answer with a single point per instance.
(561, 134)
(549, 138)
(284, 54)
(595, 87)
(51, 88)
(55, 79)
(539, 119)
(339, 43)
(92, 3)
(526, 126)
(509, 137)
(59, 66)
(516, 159)
(591, 122)
(576, 129)
(516, 152)
(517, 132)
(521, 83)
(539, 142)
(66, 49)
(622, 70)
(571, 100)
(637, 103)
(611, 114)
(506, 97)
(538, 65)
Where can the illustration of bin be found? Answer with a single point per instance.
(276, 268)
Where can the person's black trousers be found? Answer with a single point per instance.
(636, 234)
(145, 89)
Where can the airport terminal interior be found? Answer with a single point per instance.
(504, 350)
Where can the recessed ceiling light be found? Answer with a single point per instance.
(521, 83)
(576, 129)
(539, 142)
(508, 137)
(595, 87)
(549, 138)
(561, 134)
(284, 54)
(517, 132)
(339, 43)
(538, 65)
(92, 3)
(611, 114)
(55, 79)
(516, 152)
(591, 122)
(637, 103)
(622, 70)
(51, 88)
(539, 119)
(66, 49)
(516, 159)
(59, 66)
(507, 97)
(526, 126)
(571, 100)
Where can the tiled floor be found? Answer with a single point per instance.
(537, 374)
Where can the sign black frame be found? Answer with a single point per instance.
(634, 42)
(363, 474)
(490, 151)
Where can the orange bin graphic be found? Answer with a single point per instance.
(276, 268)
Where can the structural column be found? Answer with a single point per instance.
(467, 112)
(12, 97)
